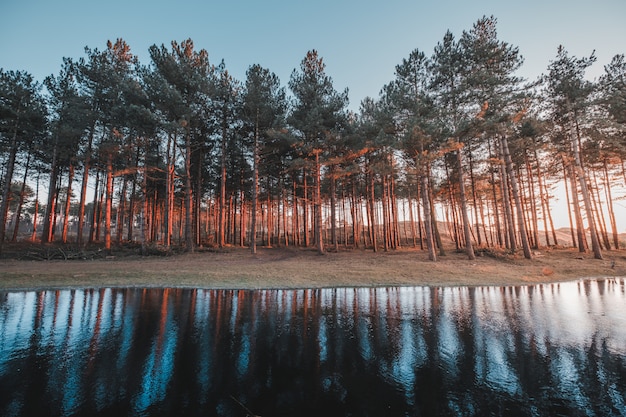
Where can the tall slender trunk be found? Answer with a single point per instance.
(36, 213)
(516, 197)
(496, 209)
(197, 200)
(474, 197)
(131, 202)
(533, 202)
(412, 219)
(385, 209)
(8, 177)
(95, 210)
(469, 248)
(318, 205)
(305, 202)
(46, 235)
(578, 168)
(610, 202)
(543, 199)
(167, 214)
(189, 241)
(511, 241)
(372, 217)
(295, 215)
(599, 209)
(18, 212)
(433, 215)
(121, 212)
(430, 243)
(83, 186)
(255, 185)
(353, 213)
(144, 212)
(68, 198)
(333, 210)
(108, 203)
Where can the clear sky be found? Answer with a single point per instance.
(361, 42)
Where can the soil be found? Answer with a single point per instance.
(237, 268)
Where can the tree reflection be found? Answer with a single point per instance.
(549, 349)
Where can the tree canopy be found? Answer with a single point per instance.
(457, 148)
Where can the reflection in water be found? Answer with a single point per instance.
(543, 350)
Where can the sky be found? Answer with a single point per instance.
(361, 42)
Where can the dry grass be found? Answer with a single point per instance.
(294, 268)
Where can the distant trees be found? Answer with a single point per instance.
(180, 152)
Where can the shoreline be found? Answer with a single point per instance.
(238, 269)
(311, 288)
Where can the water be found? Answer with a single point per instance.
(530, 351)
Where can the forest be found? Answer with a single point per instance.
(179, 153)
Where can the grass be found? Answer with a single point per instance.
(237, 268)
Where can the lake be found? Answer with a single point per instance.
(557, 349)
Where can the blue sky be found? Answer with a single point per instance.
(361, 42)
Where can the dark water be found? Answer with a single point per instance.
(529, 351)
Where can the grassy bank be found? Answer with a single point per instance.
(237, 268)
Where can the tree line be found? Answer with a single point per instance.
(179, 152)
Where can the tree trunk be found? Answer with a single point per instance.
(599, 209)
(189, 240)
(511, 242)
(255, 185)
(121, 212)
(68, 198)
(36, 214)
(353, 214)
(385, 208)
(412, 219)
(474, 197)
(18, 212)
(469, 248)
(108, 203)
(83, 189)
(144, 212)
(6, 191)
(533, 202)
(433, 215)
(430, 244)
(595, 243)
(610, 203)
(333, 210)
(543, 198)
(305, 207)
(372, 216)
(95, 213)
(46, 235)
(499, 234)
(318, 205)
(516, 197)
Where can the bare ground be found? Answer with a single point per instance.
(237, 268)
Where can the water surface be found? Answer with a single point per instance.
(556, 349)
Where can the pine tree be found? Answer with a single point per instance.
(414, 112)
(318, 111)
(451, 95)
(183, 93)
(568, 94)
(264, 114)
(494, 91)
(22, 120)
